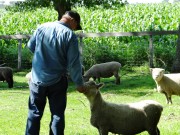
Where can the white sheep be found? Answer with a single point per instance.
(169, 84)
(28, 77)
(126, 119)
(104, 70)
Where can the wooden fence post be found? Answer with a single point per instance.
(151, 51)
(19, 53)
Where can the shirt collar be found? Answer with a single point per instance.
(65, 24)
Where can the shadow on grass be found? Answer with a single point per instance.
(133, 85)
(130, 85)
(17, 86)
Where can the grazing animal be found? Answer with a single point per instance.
(126, 119)
(104, 70)
(169, 84)
(6, 74)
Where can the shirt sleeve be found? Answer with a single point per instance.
(74, 62)
(32, 42)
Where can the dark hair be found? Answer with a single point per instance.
(76, 17)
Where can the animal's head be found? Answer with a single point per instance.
(92, 88)
(28, 77)
(86, 78)
(10, 84)
(157, 73)
(10, 81)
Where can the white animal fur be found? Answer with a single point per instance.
(104, 70)
(126, 119)
(28, 76)
(169, 84)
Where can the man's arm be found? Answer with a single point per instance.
(32, 42)
(74, 63)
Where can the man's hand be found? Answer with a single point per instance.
(81, 89)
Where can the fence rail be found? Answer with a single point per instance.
(123, 34)
(15, 36)
(106, 34)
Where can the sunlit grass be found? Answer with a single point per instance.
(134, 87)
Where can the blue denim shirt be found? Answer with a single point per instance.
(56, 52)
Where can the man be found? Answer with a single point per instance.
(55, 48)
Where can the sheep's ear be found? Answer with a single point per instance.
(151, 69)
(162, 71)
(99, 85)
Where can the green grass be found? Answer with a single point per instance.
(134, 87)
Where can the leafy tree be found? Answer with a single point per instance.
(28, 5)
(171, 0)
(61, 6)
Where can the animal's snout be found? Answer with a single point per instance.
(155, 77)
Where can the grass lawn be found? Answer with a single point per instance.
(134, 87)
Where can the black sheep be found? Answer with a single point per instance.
(6, 74)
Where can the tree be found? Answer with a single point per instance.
(176, 64)
(61, 6)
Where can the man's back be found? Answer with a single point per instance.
(50, 46)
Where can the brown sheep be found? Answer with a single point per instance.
(104, 70)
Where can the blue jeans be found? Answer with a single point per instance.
(57, 97)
